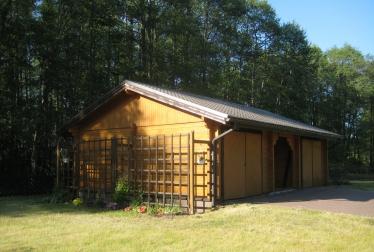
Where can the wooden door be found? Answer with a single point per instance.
(317, 164)
(312, 163)
(234, 166)
(307, 156)
(253, 164)
(242, 165)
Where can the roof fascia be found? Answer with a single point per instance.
(177, 102)
(283, 129)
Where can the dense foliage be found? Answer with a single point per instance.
(56, 57)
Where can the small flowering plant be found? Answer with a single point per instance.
(142, 209)
(126, 209)
(78, 201)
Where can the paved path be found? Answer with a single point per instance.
(330, 199)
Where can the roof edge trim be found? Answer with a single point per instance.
(176, 102)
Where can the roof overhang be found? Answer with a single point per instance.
(177, 102)
(281, 129)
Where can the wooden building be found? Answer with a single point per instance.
(188, 149)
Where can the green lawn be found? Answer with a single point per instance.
(28, 224)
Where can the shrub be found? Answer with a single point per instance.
(121, 193)
(78, 201)
(137, 200)
(59, 194)
(124, 193)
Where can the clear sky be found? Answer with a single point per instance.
(330, 23)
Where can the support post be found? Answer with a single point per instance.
(58, 161)
(113, 159)
(192, 173)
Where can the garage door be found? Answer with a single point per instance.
(253, 165)
(234, 172)
(311, 163)
(242, 172)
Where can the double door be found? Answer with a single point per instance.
(242, 170)
(312, 173)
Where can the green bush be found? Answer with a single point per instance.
(78, 201)
(137, 198)
(59, 194)
(122, 191)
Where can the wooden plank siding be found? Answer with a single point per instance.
(124, 110)
(136, 116)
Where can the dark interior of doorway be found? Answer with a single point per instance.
(282, 164)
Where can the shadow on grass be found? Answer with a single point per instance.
(20, 206)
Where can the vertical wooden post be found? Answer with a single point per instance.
(149, 168)
(58, 162)
(156, 169)
(141, 164)
(68, 167)
(134, 154)
(129, 162)
(164, 171)
(180, 169)
(191, 168)
(172, 170)
(76, 165)
(113, 159)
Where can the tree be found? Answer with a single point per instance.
(346, 99)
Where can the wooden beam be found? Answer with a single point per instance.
(130, 92)
(192, 168)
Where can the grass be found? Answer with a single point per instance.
(28, 224)
(360, 185)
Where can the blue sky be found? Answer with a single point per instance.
(329, 23)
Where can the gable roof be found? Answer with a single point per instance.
(224, 112)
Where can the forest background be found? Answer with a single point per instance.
(58, 56)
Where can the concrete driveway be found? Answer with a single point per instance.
(330, 199)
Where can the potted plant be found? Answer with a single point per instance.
(201, 160)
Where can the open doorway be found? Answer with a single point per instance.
(283, 167)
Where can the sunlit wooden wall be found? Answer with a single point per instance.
(135, 115)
